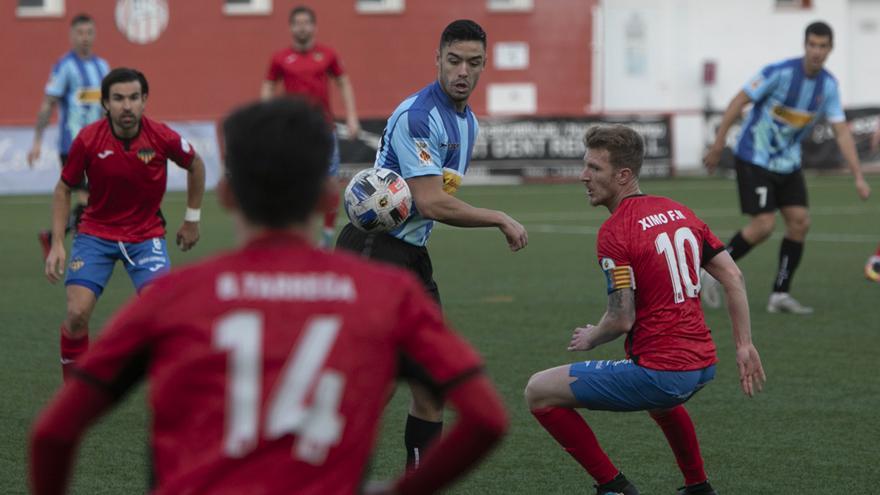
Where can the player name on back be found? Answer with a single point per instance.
(285, 286)
(661, 219)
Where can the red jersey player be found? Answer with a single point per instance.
(125, 157)
(305, 69)
(651, 250)
(270, 365)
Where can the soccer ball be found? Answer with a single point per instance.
(377, 200)
(872, 268)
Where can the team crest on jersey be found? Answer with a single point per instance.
(76, 264)
(146, 155)
(318, 56)
(424, 155)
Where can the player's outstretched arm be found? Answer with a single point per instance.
(618, 319)
(847, 146)
(54, 268)
(57, 433)
(435, 204)
(43, 117)
(734, 110)
(188, 234)
(481, 424)
(751, 371)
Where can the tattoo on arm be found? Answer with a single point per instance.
(621, 304)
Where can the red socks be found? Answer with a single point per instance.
(71, 350)
(576, 437)
(679, 430)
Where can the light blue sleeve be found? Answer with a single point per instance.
(59, 80)
(762, 83)
(833, 109)
(415, 141)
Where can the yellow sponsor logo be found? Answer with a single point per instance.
(89, 96)
(451, 181)
(793, 117)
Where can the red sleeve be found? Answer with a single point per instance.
(274, 73)
(178, 149)
(73, 172)
(57, 432)
(481, 423)
(335, 67)
(427, 341)
(609, 245)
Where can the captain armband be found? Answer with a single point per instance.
(617, 277)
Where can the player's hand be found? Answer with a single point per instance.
(517, 237)
(354, 128)
(580, 339)
(55, 262)
(751, 372)
(379, 488)
(188, 235)
(863, 188)
(712, 158)
(33, 155)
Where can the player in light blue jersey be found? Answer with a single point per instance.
(75, 87)
(428, 140)
(788, 98)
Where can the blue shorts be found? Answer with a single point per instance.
(334, 158)
(625, 386)
(92, 260)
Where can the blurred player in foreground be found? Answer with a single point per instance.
(305, 69)
(788, 98)
(428, 141)
(651, 250)
(269, 366)
(126, 159)
(75, 87)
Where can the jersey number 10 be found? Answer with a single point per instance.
(317, 426)
(676, 261)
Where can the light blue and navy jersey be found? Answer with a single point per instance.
(787, 104)
(76, 83)
(426, 136)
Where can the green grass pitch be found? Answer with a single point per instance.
(814, 430)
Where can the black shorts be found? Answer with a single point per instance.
(763, 191)
(82, 186)
(389, 249)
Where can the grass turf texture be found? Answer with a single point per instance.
(813, 430)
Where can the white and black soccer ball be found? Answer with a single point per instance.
(377, 200)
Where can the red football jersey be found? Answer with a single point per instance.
(307, 73)
(127, 178)
(269, 367)
(665, 244)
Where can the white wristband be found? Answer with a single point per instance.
(192, 215)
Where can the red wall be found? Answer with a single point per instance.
(206, 62)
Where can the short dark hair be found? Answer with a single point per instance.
(302, 9)
(819, 28)
(123, 75)
(626, 148)
(81, 19)
(462, 30)
(277, 157)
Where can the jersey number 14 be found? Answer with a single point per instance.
(317, 426)
(675, 251)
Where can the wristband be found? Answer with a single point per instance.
(192, 215)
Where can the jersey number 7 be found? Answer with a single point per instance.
(317, 426)
(676, 261)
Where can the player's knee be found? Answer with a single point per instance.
(798, 227)
(77, 321)
(761, 227)
(536, 392)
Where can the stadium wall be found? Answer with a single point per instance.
(206, 62)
